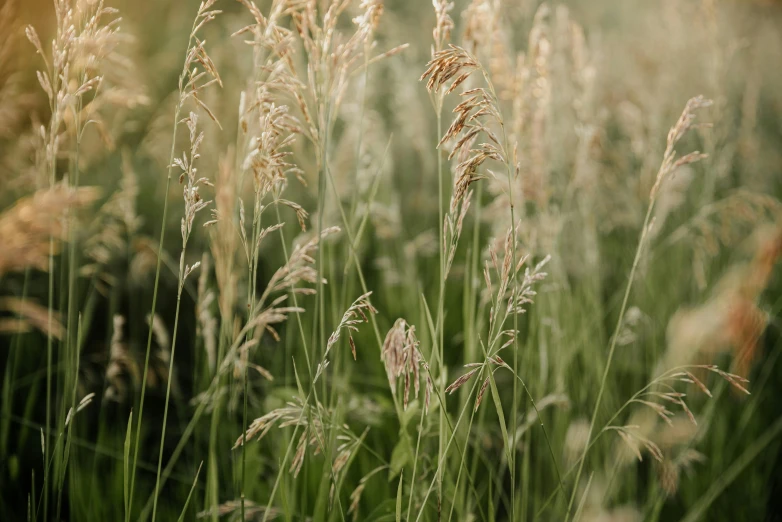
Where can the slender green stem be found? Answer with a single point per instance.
(64, 465)
(137, 437)
(611, 350)
(170, 377)
(161, 242)
(438, 101)
(415, 462)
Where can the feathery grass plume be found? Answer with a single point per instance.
(331, 59)
(353, 316)
(30, 316)
(162, 338)
(482, 30)
(295, 413)
(25, 228)
(355, 495)
(345, 451)
(402, 357)
(657, 396)
(731, 318)
(298, 269)
(634, 442)
(685, 123)
(575, 440)
(540, 82)
(268, 311)
(224, 240)
(86, 35)
(475, 369)
(507, 302)
(475, 115)
(315, 421)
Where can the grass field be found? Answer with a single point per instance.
(331, 260)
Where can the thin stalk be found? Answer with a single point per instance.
(611, 350)
(514, 284)
(244, 439)
(463, 455)
(220, 372)
(52, 159)
(170, 377)
(441, 294)
(447, 447)
(155, 287)
(415, 463)
(252, 278)
(64, 466)
(137, 436)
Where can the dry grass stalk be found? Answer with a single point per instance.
(356, 314)
(511, 301)
(194, 203)
(685, 123)
(660, 392)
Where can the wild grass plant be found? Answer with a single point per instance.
(479, 260)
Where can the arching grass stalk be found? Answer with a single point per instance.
(667, 167)
(611, 350)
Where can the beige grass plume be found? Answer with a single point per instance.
(26, 227)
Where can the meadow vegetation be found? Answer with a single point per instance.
(335, 260)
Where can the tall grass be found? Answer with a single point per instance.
(445, 275)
